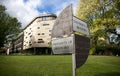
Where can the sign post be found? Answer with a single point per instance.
(74, 59)
(65, 41)
(74, 64)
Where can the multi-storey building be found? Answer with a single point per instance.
(37, 34)
(18, 43)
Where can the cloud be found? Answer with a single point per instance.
(26, 10)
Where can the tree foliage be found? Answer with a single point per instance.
(103, 17)
(8, 26)
(99, 12)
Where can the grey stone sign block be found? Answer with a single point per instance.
(63, 23)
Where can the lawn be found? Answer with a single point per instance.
(58, 65)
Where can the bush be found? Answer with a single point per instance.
(92, 51)
(100, 50)
(114, 49)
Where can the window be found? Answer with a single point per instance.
(44, 19)
(41, 41)
(38, 27)
(38, 33)
(30, 44)
(50, 30)
(45, 24)
(43, 33)
(49, 34)
(30, 35)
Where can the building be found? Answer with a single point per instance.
(18, 43)
(37, 34)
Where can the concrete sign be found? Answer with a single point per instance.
(62, 45)
(80, 26)
(63, 23)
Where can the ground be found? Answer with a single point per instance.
(58, 65)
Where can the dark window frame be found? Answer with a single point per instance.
(38, 27)
(46, 24)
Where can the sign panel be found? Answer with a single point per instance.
(62, 45)
(80, 26)
(63, 23)
(65, 41)
(82, 47)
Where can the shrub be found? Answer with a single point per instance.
(114, 49)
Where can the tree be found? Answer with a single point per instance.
(101, 15)
(8, 26)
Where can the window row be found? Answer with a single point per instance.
(35, 42)
(41, 34)
(39, 40)
(45, 19)
(38, 34)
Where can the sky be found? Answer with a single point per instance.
(26, 10)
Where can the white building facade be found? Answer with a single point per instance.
(37, 34)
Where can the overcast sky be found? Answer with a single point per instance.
(26, 10)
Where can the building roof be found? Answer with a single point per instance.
(43, 15)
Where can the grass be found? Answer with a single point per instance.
(58, 65)
(100, 66)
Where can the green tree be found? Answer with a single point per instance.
(8, 26)
(101, 15)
